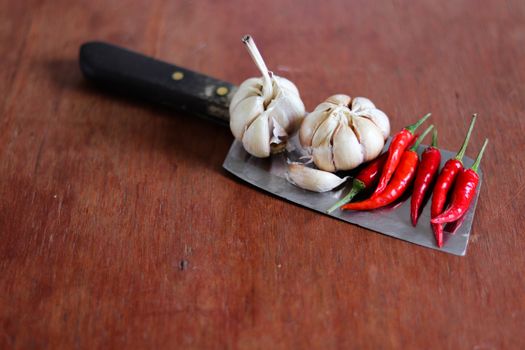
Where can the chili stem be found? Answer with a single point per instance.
(463, 148)
(475, 166)
(413, 127)
(420, 138)
(435, 138)
(357, 186)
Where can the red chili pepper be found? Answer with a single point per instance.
(426, 172)
(464, 191)
(452, 227)
(445, 181)
(401, 180)
(398, 145)
(365, 179)
(414, 139)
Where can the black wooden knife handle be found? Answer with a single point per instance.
(144, 77)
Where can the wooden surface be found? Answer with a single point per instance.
(119, 228)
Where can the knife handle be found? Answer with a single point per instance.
(144, 77)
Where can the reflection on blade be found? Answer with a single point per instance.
(269, 175)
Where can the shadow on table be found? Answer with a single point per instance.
(178, 135)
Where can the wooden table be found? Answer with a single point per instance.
(119, 228)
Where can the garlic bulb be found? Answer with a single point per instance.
(312, 179)
(341, 133)
(265, 110)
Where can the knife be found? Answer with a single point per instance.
(118, 69)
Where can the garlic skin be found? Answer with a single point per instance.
(342, 133)
(265, 110)
(312, 179)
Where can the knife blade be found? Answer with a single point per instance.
(131, 73)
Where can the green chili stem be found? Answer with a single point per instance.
(475, 166)
(357, 186)
(420, 138)
(435, 138)
(463, 148)
(413, 127)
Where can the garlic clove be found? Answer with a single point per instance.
(287, 85)
(325, 130)
(370, 137)
(246, 111)
(362, 103)
(380, 119)
(325, 106)
(313, 179)
(296, 108)
(310, 124)
(284, 109)
(340, 100)
(322, 156)
(348, 153)
(250, 87)
(321, 144)
(256, 136)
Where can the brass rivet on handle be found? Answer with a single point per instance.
(177, 75)
(222, 91)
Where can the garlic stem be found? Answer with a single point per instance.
(259, 62)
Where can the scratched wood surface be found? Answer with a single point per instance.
(119, 228)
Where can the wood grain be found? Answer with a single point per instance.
(119, 229)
